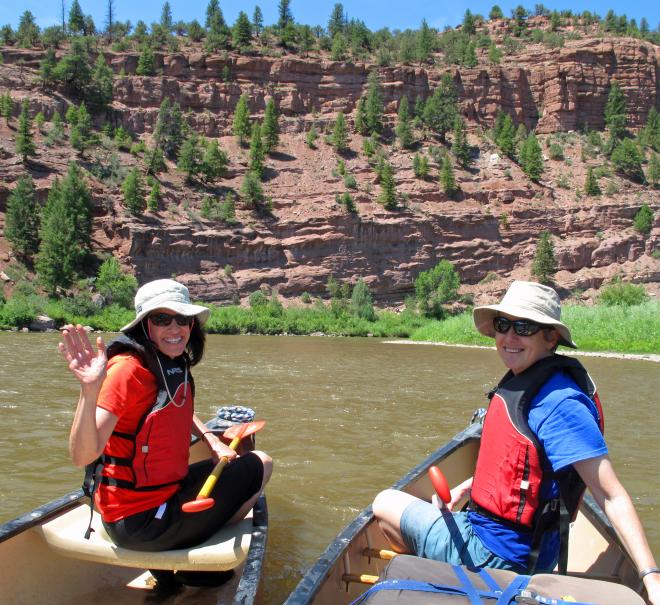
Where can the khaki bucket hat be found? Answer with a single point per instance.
(526, 300)
(165, 294)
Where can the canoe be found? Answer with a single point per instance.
(360, 554)
(45, 559)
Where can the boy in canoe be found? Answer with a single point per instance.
(542, 444)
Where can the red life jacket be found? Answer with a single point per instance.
(160, 447)
(512, 467)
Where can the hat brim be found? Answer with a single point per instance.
(196, 311)
(483, 321)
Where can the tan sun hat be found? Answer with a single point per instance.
(165, 294)
(526, 300)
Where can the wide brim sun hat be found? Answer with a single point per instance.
(525, 300)
(165, 294)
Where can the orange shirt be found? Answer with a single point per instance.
(129, 391)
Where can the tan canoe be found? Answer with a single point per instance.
(360, 553)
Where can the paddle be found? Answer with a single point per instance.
(440, 484)
(235, 433)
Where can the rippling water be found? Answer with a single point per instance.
(345, 418)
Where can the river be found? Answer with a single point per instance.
(345, 418)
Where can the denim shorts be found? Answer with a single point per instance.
(445, 536)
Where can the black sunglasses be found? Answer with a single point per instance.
(165, 319)
(522, 327)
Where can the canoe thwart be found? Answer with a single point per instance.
(224, 550)
(359, 578)
(379, 553)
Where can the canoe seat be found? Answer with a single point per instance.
(226, 549)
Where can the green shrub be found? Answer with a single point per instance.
(643, 220)
(621, 293)
(115, 285)
(19, 311)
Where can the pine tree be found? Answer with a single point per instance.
(81, 130)
(242, 32)
(469, 26)
(270, 131)
(494, 54)
(361, 304)
(447, 179)
(65, 233)
(374, 105)
(627, 159)
(100, 92)
(73, 70)
(22, 218)
(403, 128)
(154, 196)
(505, 135)
(361, 117)
(616, 114)
(168, 133)
(285, 15)
(241, 125)
(544, 265)
(425, 42)
(27, 34)
(653, 171)
(251, 190)
(147, 62)
(214, 163)
(460, 146)
(190, 157)
(650, 134)
(166, 21)
(339, 49)
(47, 68)
(257, 21)
(441, 108)
(6, 107)
(132, 189)
(337, 22)
(339, 134)
(24, 142)
(591, 187)
(256, 152)
(76, 18)
(311, 137)
(387, 195)
(531, 158)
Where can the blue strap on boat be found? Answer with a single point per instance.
(517, 585)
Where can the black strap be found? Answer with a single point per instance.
(90, 484)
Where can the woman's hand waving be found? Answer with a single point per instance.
(87, 365)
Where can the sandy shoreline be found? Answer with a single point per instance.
(632, 356)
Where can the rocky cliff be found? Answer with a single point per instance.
(488, 231)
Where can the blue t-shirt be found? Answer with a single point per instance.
(565, 421)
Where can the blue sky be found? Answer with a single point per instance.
(394, 14)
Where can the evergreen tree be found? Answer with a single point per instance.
(256, 151)
(627, 159)
(133, 191)
(166, 21)
(56, 132)
(81, 130)
(494, 54)
(241, 125)
(469, 25)
(154, 196)
(643, 220)
(311, 137)
(505, 136)
(519, 15)
(190, 157)
(437, 287)
(361, 304)
(147, 62)
(251, 190)
(73, 69)
(22, 218)
(361, 117)
(374, 105)
(6, 107)
(387, 195)
(76, 18)
(544, 265)
(242, 32)
(441, 108)
(425, 42)
(495, 13)
(337, 22)
(270, 131)
(257, 21)
(339, 49)
(653, 171)
(339, 135)
(154, 161)
(650, 134)
(447, 179)
(591, 187)
(65, 231)
(47, 69)
(114, 285)
(100, 92)
(616, 113)
(24, 142)
(403, 128)
(285, 15)
(460, 146)
(421, 166)
(27, 34)
(214, 163)
(531, 158)
(169, 131)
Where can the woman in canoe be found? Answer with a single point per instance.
(542, 443)
(133, 423)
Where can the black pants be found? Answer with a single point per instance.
(239, 481)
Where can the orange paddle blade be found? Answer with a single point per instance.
(244, 429)
(197, 506)
(440, 484)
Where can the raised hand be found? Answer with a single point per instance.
(85, 364)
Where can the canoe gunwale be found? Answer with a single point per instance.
(312, 579)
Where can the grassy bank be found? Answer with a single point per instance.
(620, 329)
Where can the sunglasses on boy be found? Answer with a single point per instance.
(165, 319)
(522, 327)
